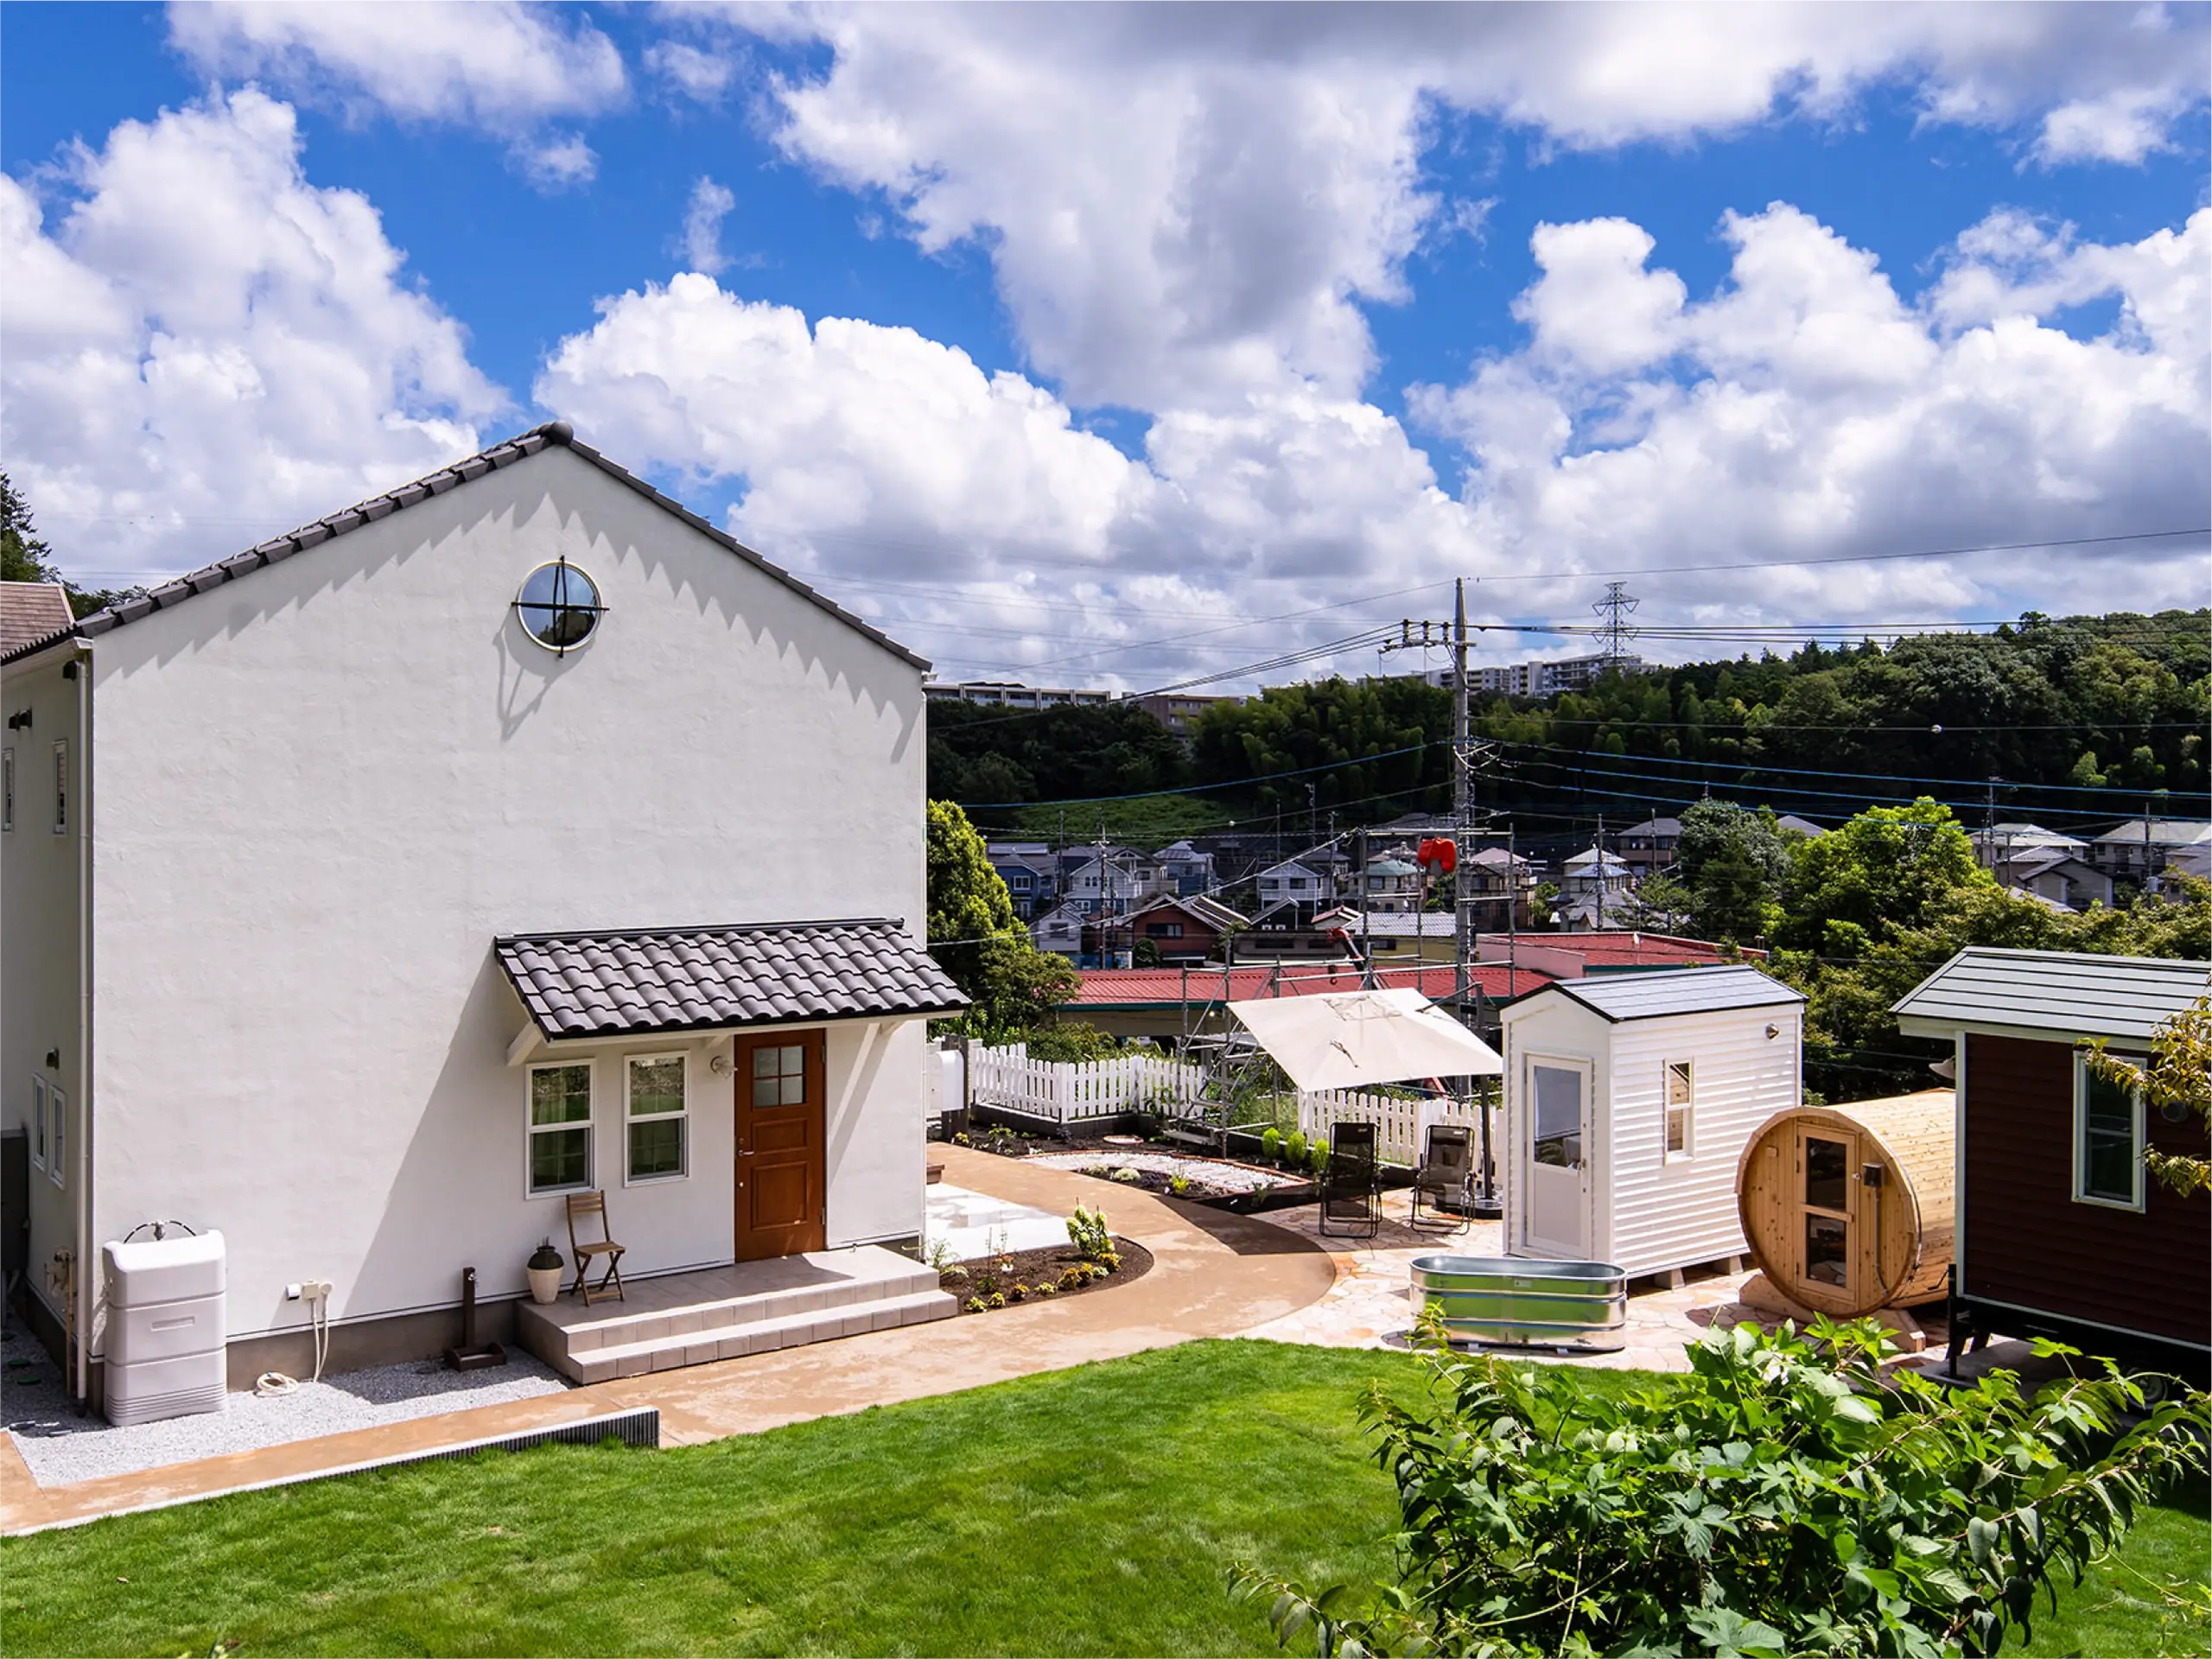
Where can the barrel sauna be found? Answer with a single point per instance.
(1849, 1208)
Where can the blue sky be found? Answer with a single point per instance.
(1283, 264)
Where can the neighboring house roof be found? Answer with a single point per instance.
(1391, 866)
(407, 495)
(1796, 826)
(2165, 832)
(2054, 994)
(2044, 860)
(32, 611)
(1676, 990)
(1431, 925)
(1588, 858)
(1656, 827)
(1145, 988)
(1199, 909)
(642, 981)
(1498, 857)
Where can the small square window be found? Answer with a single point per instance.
(38, 1120)
(1680, 1097)
(560, 1128)
(658, 1128)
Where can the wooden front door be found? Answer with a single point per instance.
(781, 1187)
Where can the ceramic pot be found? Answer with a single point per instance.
(544, 1284)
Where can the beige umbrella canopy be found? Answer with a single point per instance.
(1348, 1039)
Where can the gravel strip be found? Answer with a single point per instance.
(63, 1447)
(1229, 1177)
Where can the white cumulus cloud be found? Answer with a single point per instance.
(710, 204)
(198, 347)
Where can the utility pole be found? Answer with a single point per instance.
(1600, 851)
(1462, 789)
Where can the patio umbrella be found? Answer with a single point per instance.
(1347, 1039)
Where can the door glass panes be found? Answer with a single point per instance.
(1826, 1179)
(2108, 1149)
(1827, 1250)
(1558, 1116)
(779, 1075)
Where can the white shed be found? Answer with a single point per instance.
(1629, 1099)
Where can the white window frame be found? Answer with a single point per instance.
(1667, 1108)
(532, 1129)
(2080, 1120)
(57, 1159)
(38, 1120)
(61, 786)
(8, 788)
(682, 1116)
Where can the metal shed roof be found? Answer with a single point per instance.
(2056, 993)
(1675, 991)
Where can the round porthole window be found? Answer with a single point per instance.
(559, 607)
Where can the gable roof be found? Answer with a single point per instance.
(2062, 994)
(1668, 991)
(643, 981)
(32, 610)
(556, 433)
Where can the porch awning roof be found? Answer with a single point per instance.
(644, 981)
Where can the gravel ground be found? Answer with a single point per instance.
(63, 1447)
(1231, 1177)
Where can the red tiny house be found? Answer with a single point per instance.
(2060, 1230)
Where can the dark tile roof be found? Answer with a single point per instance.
(407, 495)
(2053, 991)
(32, 611)
(644, 981)
(1656, 994)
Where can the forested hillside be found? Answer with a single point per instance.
(2080, 718)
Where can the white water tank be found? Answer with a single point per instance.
(165, 1327)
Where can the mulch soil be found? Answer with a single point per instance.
(1030, 1267)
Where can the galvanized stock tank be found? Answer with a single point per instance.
(1582, 1306)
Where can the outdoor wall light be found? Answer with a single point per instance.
(19, 720)
(719, 1065)
(53, 1060)
(1773, 1031)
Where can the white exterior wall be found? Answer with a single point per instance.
(1649, 1215)
(324, 789)
(41, 996)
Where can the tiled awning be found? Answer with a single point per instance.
(644, 981)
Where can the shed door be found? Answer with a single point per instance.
(1556, 1157)
(1827, 1193)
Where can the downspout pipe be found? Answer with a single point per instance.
(79, 668)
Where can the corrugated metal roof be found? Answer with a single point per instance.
(407, 495)
(1677, 990)
(643, 981)
(2059, 991)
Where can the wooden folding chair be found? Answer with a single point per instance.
(595, 1203)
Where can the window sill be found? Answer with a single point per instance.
(537, 1193)
(2133, 1207)
(657, 1180)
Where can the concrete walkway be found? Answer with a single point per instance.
(1214, 1274)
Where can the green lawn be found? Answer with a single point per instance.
(1087, 1512)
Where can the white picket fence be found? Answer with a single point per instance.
(1062, 1091)
(1402, 1125)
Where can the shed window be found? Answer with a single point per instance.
(7, 789)
(38, 1120)
(2107, 1140)
(1679, 1093)
(57, 1112)
(61, 787)
(560, 1129)
(658, 1125)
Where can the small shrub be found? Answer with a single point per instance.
(1127, 1177)
(1271, 1145)
(962, 1140)
(1087, 1232)
(1294, 1148)
(974, 1305)
(1015, 1293)
(996, 1299)
(1180, 1186)
(1785, 1498)
(1075, 1277)
(952, 1270)
(1319, 1155)
(1044, 1288)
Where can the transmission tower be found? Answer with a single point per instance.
(1613, 611)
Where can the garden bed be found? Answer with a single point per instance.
(1016, 1277)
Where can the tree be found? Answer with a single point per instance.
(973, 935)
(1890, 869)
(23, 556)
(2178, 1074)
(1733, 861)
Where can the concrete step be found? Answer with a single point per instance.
(689, 1318)
(759, 1335)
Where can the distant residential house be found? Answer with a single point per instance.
(2194, 860)
(2058, 877)
(1288, 929)
(1295, 882)
(1184, 931)
(1059, 931)
(1386, 936)
(2138, 850)
(1500, 887)
(1028, 868)
(1179, 711)
(1394, 885)
(1009, 694)
(1649, 845)
(1185, 869)
(1594, 890)
(1107, 882)
(1791, 825)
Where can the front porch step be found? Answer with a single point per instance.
(691, 1318)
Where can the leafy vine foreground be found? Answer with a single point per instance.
(1785, 1498)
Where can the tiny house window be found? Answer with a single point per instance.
(7, 789)
(560, 1129)
(57, 1112)
(38, 1120)
(1679, 1093)
(658, 1123)
(2107, 1140)
(61, 787)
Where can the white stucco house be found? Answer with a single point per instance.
(372, 891)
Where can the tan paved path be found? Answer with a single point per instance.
(1213, 1275)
